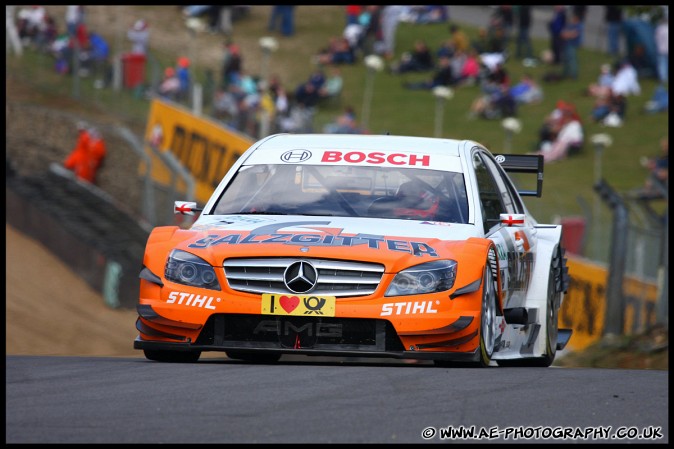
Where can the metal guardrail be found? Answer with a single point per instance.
(629, 242)
(615, 305)
(177, 171)
(148, 208)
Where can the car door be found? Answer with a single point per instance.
(506, 223)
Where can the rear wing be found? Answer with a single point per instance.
(524, 163)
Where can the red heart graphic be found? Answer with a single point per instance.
(289, 303)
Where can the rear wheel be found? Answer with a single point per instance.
(487, 325)
(172, 356)
(254, 357)
(551, 318)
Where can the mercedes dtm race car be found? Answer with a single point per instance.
(359, 246)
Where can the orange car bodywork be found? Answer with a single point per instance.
(365, 226)
(428, 323)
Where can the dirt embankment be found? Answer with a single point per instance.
(50, 310)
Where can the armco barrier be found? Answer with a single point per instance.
(584, 307)
(83, 227)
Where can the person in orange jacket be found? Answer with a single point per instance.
(77, 159)
(97, 150)
(86, 158)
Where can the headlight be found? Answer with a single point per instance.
(188, 269)
(430, 277)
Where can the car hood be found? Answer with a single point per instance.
(387, 241)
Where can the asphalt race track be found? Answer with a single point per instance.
(132, 400)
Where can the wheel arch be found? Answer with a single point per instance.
(488, 248)
(548, 240)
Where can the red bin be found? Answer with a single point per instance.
(573, 233)
(134, 69)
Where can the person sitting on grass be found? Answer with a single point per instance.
(420, 59)
(655, 185)
(527, 91)
(344, 124)
(602, 87)
(338, 51)
(568, 137)
(442, 77)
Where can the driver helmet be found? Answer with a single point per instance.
(416, 201)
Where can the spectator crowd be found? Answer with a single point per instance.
(255, 105)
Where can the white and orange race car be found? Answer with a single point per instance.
(359, 246)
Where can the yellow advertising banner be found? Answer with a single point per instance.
(204, 147)
(584, 306)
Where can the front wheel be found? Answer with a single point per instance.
(172, 356)
(488, 318)
(487, 326)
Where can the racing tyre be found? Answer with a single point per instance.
(254, 357)
(172, 356)
(551, 321)
(488, 318)
(487, 326)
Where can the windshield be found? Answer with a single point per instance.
(337, 190)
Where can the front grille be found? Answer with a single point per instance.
(335, 277)
(285, 332)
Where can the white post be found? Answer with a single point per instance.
(265, 120)
(268, 45)
(12, 34)
(117, 76)
(197, 99)
(191, 52)
(508, 140)
(117, 73)
(600, 141)
(598, 147)
(367, 98)
(374, 64)
(596, 216)
(510, 126)
(439, 110)
(265, 64)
